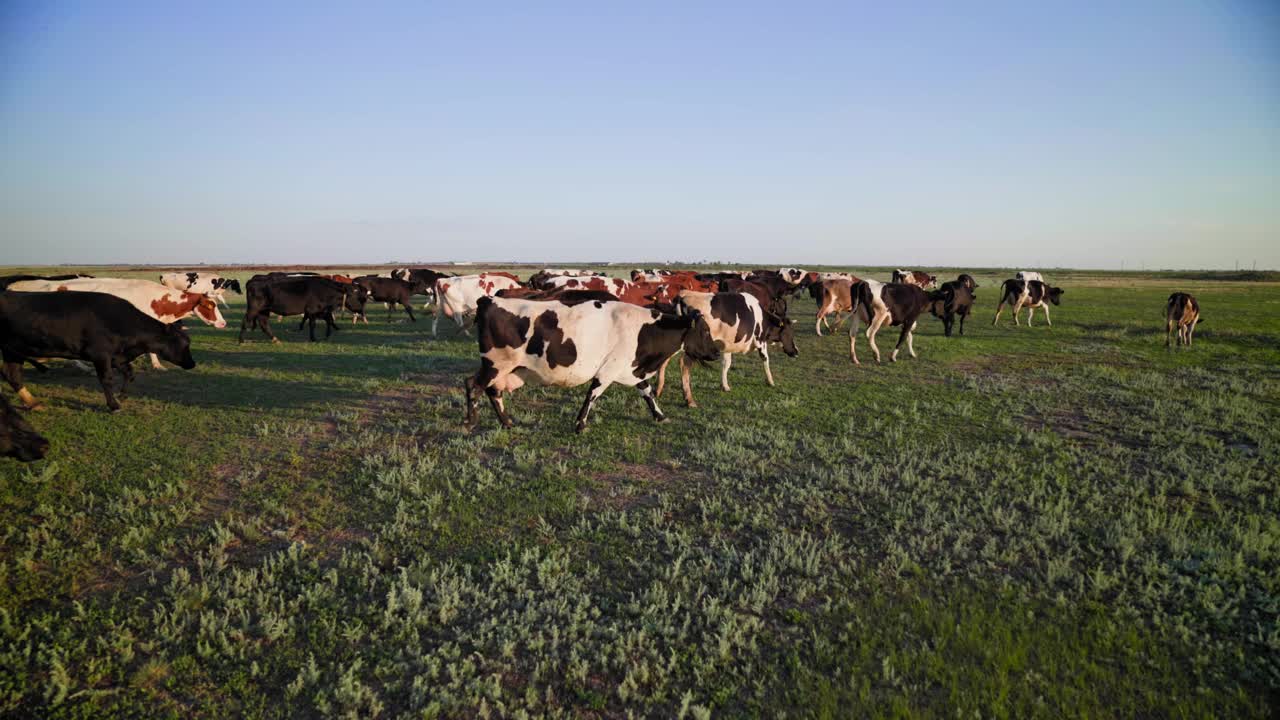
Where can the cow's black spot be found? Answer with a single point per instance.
(487, 372)
(500, 328)
(191, 278)
(732, 309)
(549, 338)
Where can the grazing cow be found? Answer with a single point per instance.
(597, 342)
(738, 325)
(457, 297)
(102, 329)
(310, 297)
(891, 304)
(1030, 294)
(157, 301)
(18, 439)
(1028, 276)
(954, 299)
(8, 280)
(918, 278)
(215, 286)
(1183, 312)
(391, 291)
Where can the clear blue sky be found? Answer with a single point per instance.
(1019, 133)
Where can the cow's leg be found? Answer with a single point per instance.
(1168, 332)
(647, 393)
(330, 322)
(408, 307)
(13, 375)
(126, 373)
(853, 340)
(265, 325)
(662, 377)
(155, 361)
(820, 319)
(911, 334)
(593, 393)
(871, 337)
(999, 309)
(685, 381)
(962, 317)
(105, 378)
(724, 371)
(947, 321)
(768, 373)
(302, 324)
(1046, 315)
(313, 328)
(245, 323)
(1191, 331)
(435, 322)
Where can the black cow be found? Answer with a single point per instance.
(953, 299)
(310, 297)
(18, 439)
(102, 329)
(894, 304)
(8, 280)
(393, 292)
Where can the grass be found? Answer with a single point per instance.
(1024, 522)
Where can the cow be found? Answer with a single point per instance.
(1030, 294)
(793, 276)
(738, 325)
(215, 286)
(102, 329)
(310, 297)
(18, 439)
(600, 343)
(1028, 276)
(770, 290)
(834, 297)
(541, 278)
(918, 278)
(458, 296)
(891, 304)
(1181, 311)
(8, 280)
(591, 282)
(157, 301)
(967, 280)
(953, 299)
(392, 291)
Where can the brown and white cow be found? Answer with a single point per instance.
(1182, 311)
(918, 278)
(833, 297)
(157, 301)
(588, 282)
(891, 304)
(1030, 294)
(738, 325)
(597, 342)
(457, 296)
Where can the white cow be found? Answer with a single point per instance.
(153, 299)
(456, 296)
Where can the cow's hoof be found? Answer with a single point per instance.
(275, 341)
(691, 404)
(114, 410)
(579, 427)
(661, 420)
(37, 407)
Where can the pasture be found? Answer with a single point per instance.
(1023, 522)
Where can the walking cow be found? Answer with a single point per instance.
(596, 342)
(1182, 311)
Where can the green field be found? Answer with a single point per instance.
(1023, 522)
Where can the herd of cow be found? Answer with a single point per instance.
(559, 327)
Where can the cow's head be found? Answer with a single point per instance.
(1055, 295)
(207, 310)
(698, 343)
(18, 439)
(933, 281)
(968, 281)
(779, 329)
(356, 297)
(227, 284)
(175, 346)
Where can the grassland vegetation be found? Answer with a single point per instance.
(1023, 522)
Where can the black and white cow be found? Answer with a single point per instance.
(215, 286)
(95, 327)
(738, 325)
(595, 342)
(18, 439)
(891, 304)
(1030, 294)
(310, 297)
